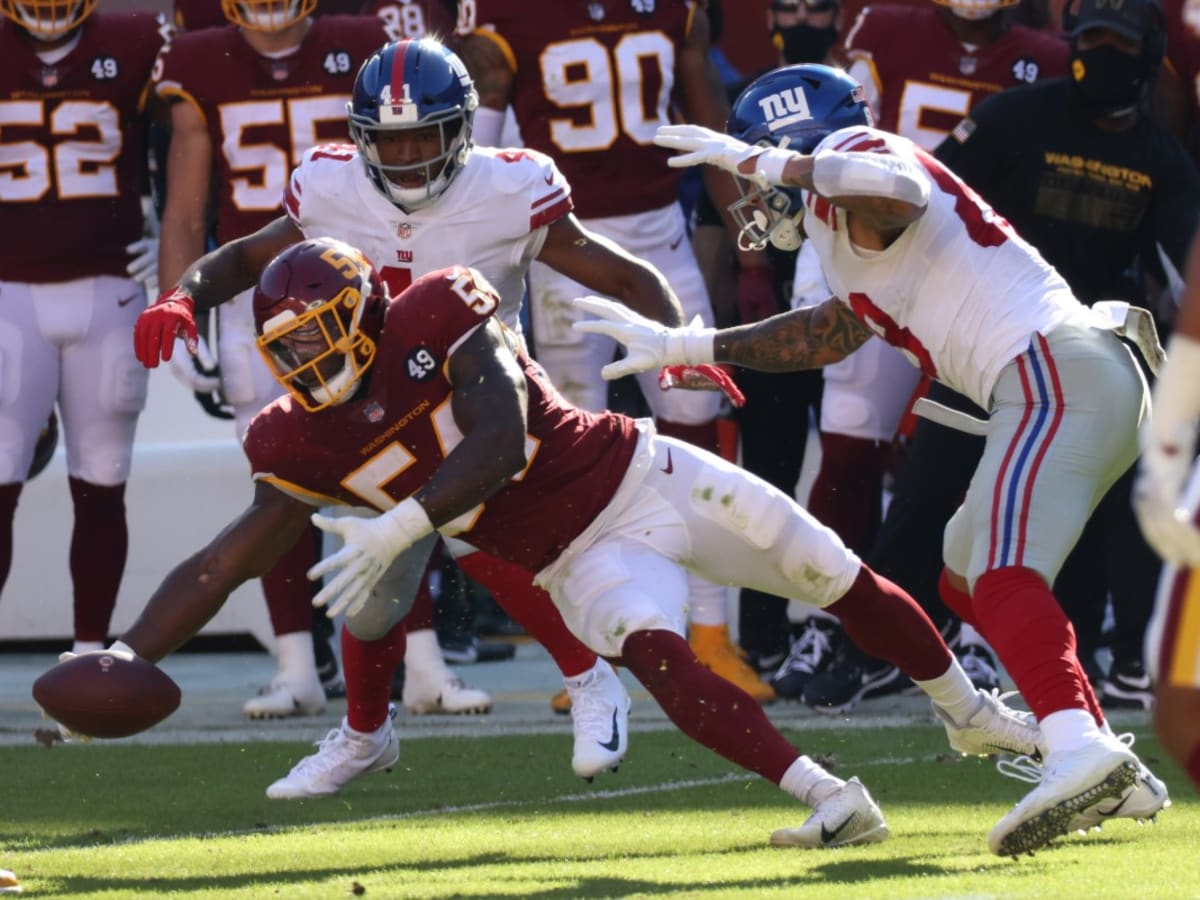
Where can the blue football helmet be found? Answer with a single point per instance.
(792, 108)
(409, 85)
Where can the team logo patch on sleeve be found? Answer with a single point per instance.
(422, 365)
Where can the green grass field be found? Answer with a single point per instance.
(504, 817)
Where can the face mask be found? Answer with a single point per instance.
(803, 43)
(1107, 80)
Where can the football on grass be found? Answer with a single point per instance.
(106, 695)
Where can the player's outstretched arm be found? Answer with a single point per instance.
(801, 339)
(606, 268)
(197, 588)
(210, 281)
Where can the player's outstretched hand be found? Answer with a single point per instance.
(1158, 498)
(700, 145)
(368, 548)
(172, 315)
(648, 344)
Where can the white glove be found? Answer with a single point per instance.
(648, 344)
(184, 369)
(368, 548)
(703, 145)
(143, 267)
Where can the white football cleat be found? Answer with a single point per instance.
(447, 695)
(1145, 800)
(285, 697)
(432, 687)
(994, 727)
(1072, 783)
(9, 883)
(600, 720)
(847, 816)
(342, 755)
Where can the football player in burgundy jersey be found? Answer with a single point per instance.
(952, 53)
(588, 84)
(417, 195)
(282, 87)
(428, 410)
(914, 256)
(404, 18)
(73, 89)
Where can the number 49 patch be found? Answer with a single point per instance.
(422, 366)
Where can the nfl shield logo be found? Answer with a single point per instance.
(49, 77)
(596, 11)
(967, 65)
(373, 412)
(404, 231)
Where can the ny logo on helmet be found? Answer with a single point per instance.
(392, 110)
(785, 108)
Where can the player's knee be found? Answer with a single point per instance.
(821, 567)
(379, 615)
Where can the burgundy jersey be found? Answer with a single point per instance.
(592, 83)
(383, 445)
(404, 18)
(262, 113)
(1183, 55)
(928, 84)
(73, 149)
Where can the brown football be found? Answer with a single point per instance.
(106, 695)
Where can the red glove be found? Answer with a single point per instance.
(172, 315)
(707, 377)
(756, 298)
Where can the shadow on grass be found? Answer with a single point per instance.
(845, 867)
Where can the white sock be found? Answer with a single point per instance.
(953, 692)
(86, 646)
(296, 660)
(1068, 729)
(706, 601)
(423, 655)
(808, 782)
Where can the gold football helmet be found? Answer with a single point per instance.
(48, 20)
(267, 15)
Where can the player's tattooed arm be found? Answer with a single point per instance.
(489, 69)
(801, 339)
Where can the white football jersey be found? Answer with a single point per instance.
(959, 293)
(493, 216)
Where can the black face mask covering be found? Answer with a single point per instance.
(1107, 80)
(804, 44)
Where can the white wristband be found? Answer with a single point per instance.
(690, 346)
(406, 522)
(1176, 398)
(768, 168)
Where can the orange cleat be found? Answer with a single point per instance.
(713, 647)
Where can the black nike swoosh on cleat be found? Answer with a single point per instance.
(1116, 809)
(828, 836)
(616, 737)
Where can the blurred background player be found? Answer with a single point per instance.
(73, 91)
(588, 84)
(1167, 499)
(1100, 189)
(922, 69)
(283, 88)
